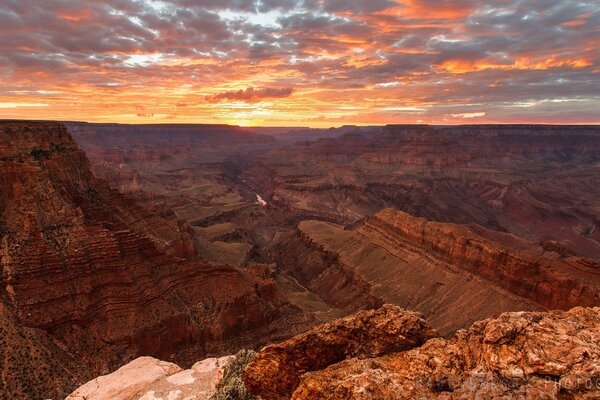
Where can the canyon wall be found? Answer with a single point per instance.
(91, 279)
(453, 274)
(321, 271)
(554, 284)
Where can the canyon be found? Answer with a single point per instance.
(182, 242)
(539, 182)
(454, 274)
(91, 279)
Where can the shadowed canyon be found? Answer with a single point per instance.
(186, 242)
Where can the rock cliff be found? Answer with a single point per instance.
(123, 154)
(553, 284)
(91, 279)
(520, 355)
(454, 274)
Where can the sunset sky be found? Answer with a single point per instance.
(301, 63)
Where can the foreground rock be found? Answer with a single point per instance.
(277, 370)
(147, 378)
(522, 355)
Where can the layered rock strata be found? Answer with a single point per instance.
(453, 274)
(536, 181)
(91, 279)
(553, 284)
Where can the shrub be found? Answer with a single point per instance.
(231, 386)
(40, 154)
(3, 228)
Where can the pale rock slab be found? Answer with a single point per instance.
(147, 378)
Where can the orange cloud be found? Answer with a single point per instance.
(441, 9)
(574, 22)
(76, 16)
(523, 63)
(365, 61)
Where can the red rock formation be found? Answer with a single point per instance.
(322, 272)
(88, 281)
(453, 274)
(276, 371)
(112, 146)
(550, 283)
(518, 355)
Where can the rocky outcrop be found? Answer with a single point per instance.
(127, 381)
(147, 378)
(521, 355)
(91, 279)
(277, 370)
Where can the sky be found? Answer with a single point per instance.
(315, 63)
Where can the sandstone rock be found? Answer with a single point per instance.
(519, 355)
(147, 378)
(453, 274)
(277, 369)
(125, 382)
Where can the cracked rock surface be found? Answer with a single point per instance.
(278, 369)
(147, 378)
(522, 355)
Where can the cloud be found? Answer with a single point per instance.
(16, 105)
(469, 115)
(347, 60)
(250, 94)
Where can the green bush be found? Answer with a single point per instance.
(231, 386)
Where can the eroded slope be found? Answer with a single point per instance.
(91, 279)
(454, 274)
